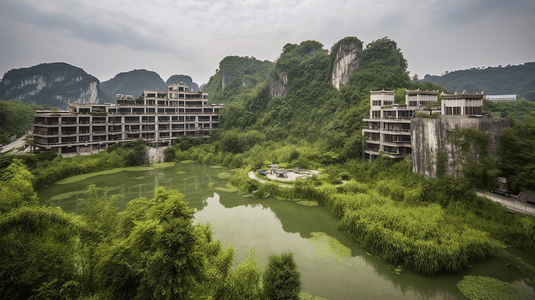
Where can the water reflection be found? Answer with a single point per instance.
(275, 226)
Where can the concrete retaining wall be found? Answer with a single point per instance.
(429, 137)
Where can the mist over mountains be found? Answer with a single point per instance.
(498, 80)
(56, 84)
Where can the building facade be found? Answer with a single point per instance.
(388, 126)
(421, 128)
(159, 117)
(461, 104)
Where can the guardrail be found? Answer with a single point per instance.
(511, 204)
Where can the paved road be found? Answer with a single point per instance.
(14, 145)
(510, 203)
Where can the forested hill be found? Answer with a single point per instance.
(54, 84)
(492, 80)
(135, 81)
(185, 79)
(16, 118)
(298, 102)
(235, 78)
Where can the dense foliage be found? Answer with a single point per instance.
(476, 163)
(49, 167)
(236, 79)
(517, 158)
(428, 225)
(151, 250)
(313, 110)
(486, 288)
(16, 118)
(281, 280)
(492, 80)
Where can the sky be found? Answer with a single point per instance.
(107, 37)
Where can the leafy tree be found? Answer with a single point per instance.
(517, 156)
(169, 154)
(478, 165)
(137, 156)
(16, 190)
(399, 96)
(16, 118)
(158, 257)
(38, 245)
(281, 278)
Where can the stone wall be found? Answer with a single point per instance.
(429, 137)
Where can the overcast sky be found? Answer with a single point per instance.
(106, 37)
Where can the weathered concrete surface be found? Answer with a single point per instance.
(510, 203)
(155, 155)
(278, 87)
(346, 62)
(429, 137)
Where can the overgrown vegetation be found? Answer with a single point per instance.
(427, 225)
(517, 160)
(48, 167)
(151, 250)
(16, 118)
(486, 288)
(242, 76)
(430, 225)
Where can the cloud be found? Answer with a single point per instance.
(462, 12)
(177, 34)
(83, 24)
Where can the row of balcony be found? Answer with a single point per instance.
(38, 133)
(100, 139)
(395, 130)
(47, 125)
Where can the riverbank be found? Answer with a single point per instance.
(333, 265)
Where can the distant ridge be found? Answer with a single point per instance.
(492, 80)
(185, 79)
(133, 83)
(54, 84)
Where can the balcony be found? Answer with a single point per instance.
(397, 143)
(397, 131)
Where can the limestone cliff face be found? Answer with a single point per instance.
(226, 78)
(429, 137)
(54, 84)
(278, 87)
(346, 62)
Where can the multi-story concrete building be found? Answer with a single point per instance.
(399, 130)
(461, 104)
(158, 118)
(389, 123)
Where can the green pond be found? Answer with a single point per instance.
(331, 264)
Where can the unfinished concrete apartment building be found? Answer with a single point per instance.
(158, 118)
(389, 123)
(421, 129)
